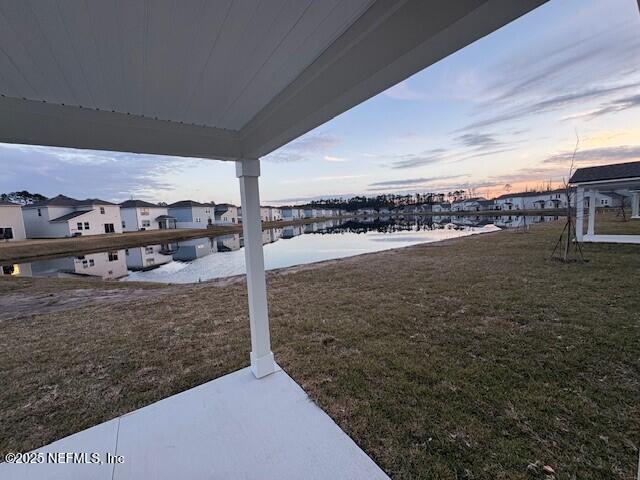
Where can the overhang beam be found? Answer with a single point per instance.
(39, 123)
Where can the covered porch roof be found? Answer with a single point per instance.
(221, 80)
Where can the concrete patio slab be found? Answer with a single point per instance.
(233, 427)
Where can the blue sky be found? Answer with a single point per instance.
(501, 114)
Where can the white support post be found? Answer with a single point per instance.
(592, 212)
(579, 214)
(262, 362)
(635, 205)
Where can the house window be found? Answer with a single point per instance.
(102, 210)
(144, 211)
(207, 210)
(113, 256)
(39, 212)
(123, 225)
(92, 262)
(109, 228)
(79, 225)
(198, 220)
(148, 250)
(6, 233)
(146, 223)
(86, 225)
(85, 264)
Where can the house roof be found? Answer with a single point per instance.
(530, 194)
(138, 204)
(71, 215)
(474, 199)
(188, 203)
(64, 201)
(616, 171)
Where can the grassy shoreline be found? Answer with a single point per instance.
(476, 357)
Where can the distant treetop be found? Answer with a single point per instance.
(23, 197)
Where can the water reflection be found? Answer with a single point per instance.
(208, 258)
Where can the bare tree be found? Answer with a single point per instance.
(569, 227)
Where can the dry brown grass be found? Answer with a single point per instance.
(471, 358)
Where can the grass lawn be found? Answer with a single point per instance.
(475, 358)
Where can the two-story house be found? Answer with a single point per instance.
(191, 214)
(63, 216)
(227, 214)
(140, 215)
(11, 223)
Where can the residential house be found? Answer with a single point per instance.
(366, 211)
(227, 214)
(265, 215)
(190, 214)
(275, 214)
(551, 199)
(63, 216)
(474, 204)
(441, 207)
(292, 213)
(312, 212)
(11, 222)
(140, 215)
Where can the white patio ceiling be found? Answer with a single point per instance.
(218, 79)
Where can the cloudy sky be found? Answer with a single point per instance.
(501, 114)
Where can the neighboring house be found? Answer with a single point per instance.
(275, 214)
(63, 216)
(190, 214)
(484, 205)
(310, 212)
(475, 204)
(366, 211)
(551, 199)
(441, 207)
(11, 222)
(265, 214)
(292, 213)
(140, 215)
(228, 214)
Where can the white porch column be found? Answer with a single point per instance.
(635, 205)
(592, 212)
(262, 362)
(579, 213)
